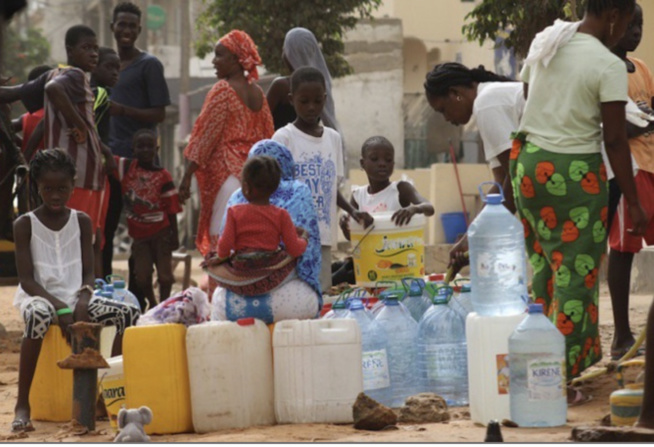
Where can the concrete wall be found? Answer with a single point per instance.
(438, 184)
(369, 102)
(438, 24)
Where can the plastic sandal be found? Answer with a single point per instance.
(19, 425)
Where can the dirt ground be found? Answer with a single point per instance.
(460, 429)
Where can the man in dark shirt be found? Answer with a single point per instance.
(138, 101)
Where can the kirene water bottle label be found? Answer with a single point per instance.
(546, 378)
(505, 267)
(445, 360)
(375, 370)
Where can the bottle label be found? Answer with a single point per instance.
(446, 360)
(505, 268)
(503, 373)
(546, 378)
(375, 370)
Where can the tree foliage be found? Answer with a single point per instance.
(522, 19)
(267, 22)
(22, 53)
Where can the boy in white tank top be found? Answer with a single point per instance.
(381, 195)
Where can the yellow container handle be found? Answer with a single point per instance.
(629, 363)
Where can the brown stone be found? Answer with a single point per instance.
(612, 434)
(423, 408)
(371, 415)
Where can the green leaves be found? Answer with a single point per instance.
(267, 22)
(521, 19)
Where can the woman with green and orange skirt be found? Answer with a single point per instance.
(574, 86)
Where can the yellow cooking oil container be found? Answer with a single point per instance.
(386, 252)
(51, 394)
(112, 387)
(627, 401)
(156, 375)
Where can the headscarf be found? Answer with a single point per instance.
(295, 197)
(242, 46)
(301, 49)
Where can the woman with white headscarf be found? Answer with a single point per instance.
(300, 49)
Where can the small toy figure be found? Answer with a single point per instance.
(131, 424)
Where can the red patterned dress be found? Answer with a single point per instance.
(221, 139)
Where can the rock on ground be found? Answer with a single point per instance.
(612, 434)
(371, 415)
(424, 407)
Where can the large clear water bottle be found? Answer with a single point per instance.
(401, 331)
(498, 268)
(417, 299)
(397, 293)
(122, 294)
(442, 351)
(374, 361)
(338, 310)
(537, 372)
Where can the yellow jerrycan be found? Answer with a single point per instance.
(156, 375)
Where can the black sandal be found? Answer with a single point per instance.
(19, 425)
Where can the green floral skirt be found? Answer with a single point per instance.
(562, 202)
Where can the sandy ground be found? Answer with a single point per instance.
(460, 429)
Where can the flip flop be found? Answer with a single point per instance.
(19, 425)
(579, 399)
(617, 355)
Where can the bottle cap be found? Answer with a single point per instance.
(356, 304)
(535, 308)
(108, 288)
(119, 284)
(339, 305)
(245, 321)
(494, 199)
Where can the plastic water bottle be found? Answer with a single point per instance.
(461, 302)
(417, 299)
(442, 351)
(338, 310)
(401, 331)
(374, 361)
(498, 268)
(122, 294)
(537, 372)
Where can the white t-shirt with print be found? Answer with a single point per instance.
(497, 110)
(318, 164)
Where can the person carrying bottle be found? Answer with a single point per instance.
(559, 180)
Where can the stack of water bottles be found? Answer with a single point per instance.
(517, 362)
(114, 289)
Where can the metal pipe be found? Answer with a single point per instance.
(85, 361)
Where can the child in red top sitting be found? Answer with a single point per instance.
(253, 232)
(151, 205)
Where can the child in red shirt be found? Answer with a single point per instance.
(253, 232)
(151, 204)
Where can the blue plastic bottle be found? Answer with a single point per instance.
(537, 372)
(417, 299)
(498, 269)
(122, 294)
(374, 361)
(401, 331)
(442, 351)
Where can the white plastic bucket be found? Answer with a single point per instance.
(488, 367)
(230, 372)
(317, 370)
(112, 386)
(388, 252)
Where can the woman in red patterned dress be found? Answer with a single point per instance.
(235, 115)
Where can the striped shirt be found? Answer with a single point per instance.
(87, 155)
